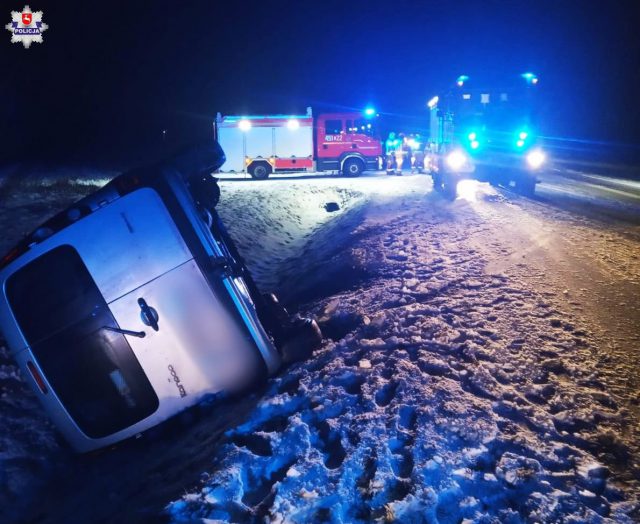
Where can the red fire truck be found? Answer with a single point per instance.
(261, 145)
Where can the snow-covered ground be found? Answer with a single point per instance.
(480, 365)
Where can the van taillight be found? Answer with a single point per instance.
(10, 256)
(37, 377)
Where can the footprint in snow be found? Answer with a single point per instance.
(386, 394)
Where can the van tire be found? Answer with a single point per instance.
(303, 336)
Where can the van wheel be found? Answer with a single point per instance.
(276, 309)
(259, 170)
(352, 167)
(302, 337)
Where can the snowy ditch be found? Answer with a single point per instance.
(273, 221)
(447, 390)
(448, 394)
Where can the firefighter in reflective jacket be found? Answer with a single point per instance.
(402, 153)
(390, 148)
(417, 154)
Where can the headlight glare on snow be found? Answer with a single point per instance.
(456, 159)
(535, 159)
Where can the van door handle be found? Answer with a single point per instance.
(148, 315)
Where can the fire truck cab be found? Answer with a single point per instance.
(345, 143)
(490, 134)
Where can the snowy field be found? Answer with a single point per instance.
(480, 365)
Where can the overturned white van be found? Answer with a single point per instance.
(133, 304)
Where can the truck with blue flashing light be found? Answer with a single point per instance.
(261, 145)
(489, 134)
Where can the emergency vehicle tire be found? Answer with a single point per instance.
(352, 167)
(449, 186)
(259, 170)
(526, 185)
(437, 181)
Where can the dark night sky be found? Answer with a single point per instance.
(108, 78)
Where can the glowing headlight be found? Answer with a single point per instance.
(535, 159)
(244, 125)
(456, 159)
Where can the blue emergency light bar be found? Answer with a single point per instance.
(530, 78)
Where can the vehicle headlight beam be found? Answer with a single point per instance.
(535, 158)
(456, 159)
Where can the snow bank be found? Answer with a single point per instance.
(454, 384)
(446, 393)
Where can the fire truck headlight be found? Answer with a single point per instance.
(535, 159)
(456, 159)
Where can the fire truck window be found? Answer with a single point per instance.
(333, 127)
(364, 127)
